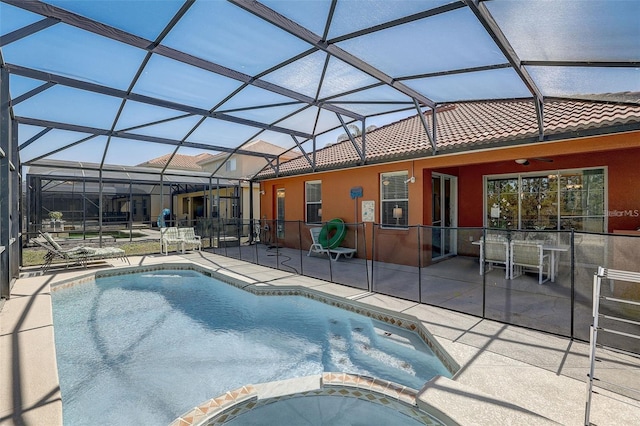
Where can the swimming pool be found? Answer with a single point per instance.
(143, 348)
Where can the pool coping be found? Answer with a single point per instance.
(223, 408)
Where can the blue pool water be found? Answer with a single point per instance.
(324, 410)
(145, 348)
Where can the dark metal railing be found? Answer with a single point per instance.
(442, 267)
(436, 266)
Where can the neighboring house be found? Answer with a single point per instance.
(491, 168)
(231, 193)
(183, 208)
(178, 162)
(244, 166)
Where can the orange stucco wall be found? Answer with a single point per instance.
(620, 153)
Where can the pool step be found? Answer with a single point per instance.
(362, 342)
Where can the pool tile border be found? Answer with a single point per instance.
(217, 411)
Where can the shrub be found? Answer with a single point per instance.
(55, 215)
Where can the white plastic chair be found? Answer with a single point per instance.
(189, 237)
(316, 247)
(168, 236)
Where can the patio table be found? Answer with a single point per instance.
(553, 249)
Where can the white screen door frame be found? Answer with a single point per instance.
(444, 215)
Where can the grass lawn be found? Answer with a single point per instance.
(33, 256)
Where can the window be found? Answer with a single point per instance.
(502, 202)
(313, 200)
(559, 200)
(280, 218)
(394, 196)
(230, 165)
(582, 200)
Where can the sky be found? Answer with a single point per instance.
(221, 33)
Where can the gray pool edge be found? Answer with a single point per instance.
(226, 407)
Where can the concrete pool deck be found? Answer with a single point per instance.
(508, 375)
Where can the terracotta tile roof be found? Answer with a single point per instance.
(179, 161)
(202, 158)
(257, 145)
(473, 125)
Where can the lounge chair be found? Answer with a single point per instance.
(316, 247)
(333, 253)
(168, 236)
(70, 257)
(81, 255)
(189, 237)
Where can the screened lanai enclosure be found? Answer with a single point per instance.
(68, 200)
(92, 92)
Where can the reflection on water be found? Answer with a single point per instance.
(147, 347)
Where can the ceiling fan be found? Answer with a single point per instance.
(525, 162)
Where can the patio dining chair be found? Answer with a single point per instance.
(529, 255)
(494, 251)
